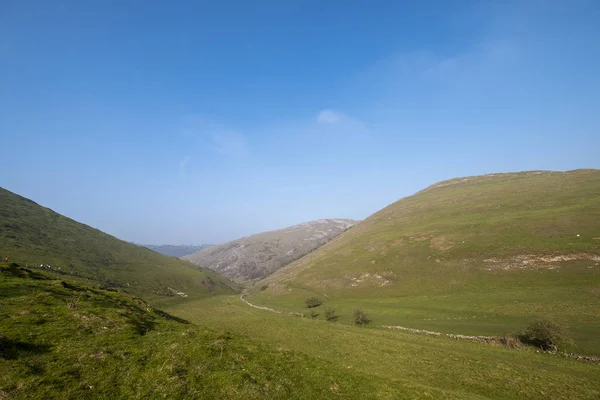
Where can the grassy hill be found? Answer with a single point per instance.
(403, 365)
(60, 339)
(476, 255)
(34, 235)
(256, 256)
(63, 337)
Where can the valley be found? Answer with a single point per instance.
(417, 366)
(175, 250)
(478, 256)
(299, 200)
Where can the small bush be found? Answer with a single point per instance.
(330, 315)
(312, 302)
(360, 317)
(313, 314)
(546, 334)
(511, 342)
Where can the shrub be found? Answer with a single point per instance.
(330, 315)
(546, 334)
(313, 314)
(312, 302)
(511, 342)
(360, 317)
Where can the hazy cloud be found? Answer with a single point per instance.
(480, 62)
(215, 137)
(230, 144)
(329, 117)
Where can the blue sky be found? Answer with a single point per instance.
(199, 122)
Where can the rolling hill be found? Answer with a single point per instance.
(474, 255)
(175, 250)
(259, 255)
(62, 339)
(36, 236)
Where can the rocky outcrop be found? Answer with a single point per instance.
(257, 256)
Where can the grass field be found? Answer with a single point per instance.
(61, 339)
(491, 306)
(64, 340)
(410, 366)
(33, 235)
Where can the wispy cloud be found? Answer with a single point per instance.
(214, 137)
(482, 62)
(230, 144)
(329, 117)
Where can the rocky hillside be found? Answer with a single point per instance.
(257, 256)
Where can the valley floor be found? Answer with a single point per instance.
(410, 366)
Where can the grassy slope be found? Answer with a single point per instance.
(31, 234)
(432, 249)
(405, 365)
(110, 345)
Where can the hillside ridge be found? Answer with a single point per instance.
(456, 257)
(34, 235)
(256, 256)
(495, 175)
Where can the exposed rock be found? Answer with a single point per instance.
(257, 256)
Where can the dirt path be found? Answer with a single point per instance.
(295, 314)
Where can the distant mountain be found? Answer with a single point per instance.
(175, 250)
(32, 235)
(257, 256)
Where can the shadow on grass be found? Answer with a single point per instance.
(171, 317)
(143, 323)
(20, 272)
(13, 349)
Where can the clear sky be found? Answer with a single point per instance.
(201, 121)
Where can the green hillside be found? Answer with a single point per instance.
(63, 340)
(476, 255)
(33, 235)
(403, 365)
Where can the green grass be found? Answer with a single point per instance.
(32, 235)
(406, 365)
(62, 337)
(429, 255)
(63, 340)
